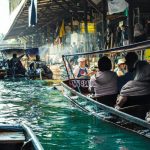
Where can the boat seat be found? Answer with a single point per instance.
(109, 100)
(137, 110)
(10, 140)
(137, 100)
(11, 137)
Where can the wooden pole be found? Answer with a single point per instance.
(104, 25)
(130, 22)
(86, 25)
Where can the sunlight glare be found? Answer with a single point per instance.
(4, 16)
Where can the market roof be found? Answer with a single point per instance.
(49, 13)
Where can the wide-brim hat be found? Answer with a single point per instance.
(81, 59)
(121, 61)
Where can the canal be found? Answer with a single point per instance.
(57, 124)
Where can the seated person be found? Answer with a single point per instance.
(47, 72)
(137, 91)
(130, 59)
(81, 71)
(34, 65)
(38, 68)
(104, 82)
(15, 65)
(120, 70)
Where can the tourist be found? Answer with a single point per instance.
(120, 70)
(104, 82)
(137, 91)
(130, 59)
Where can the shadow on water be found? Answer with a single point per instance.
(57, 123)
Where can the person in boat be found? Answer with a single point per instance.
(34, 65)
(130, 59)
(39, 69)
(120, 70)
(15, 66)
(137, 91)
(81, 71)
(104, 83)
(47, 72)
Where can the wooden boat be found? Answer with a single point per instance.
(18, 137)
(38, 70)
(131, 117)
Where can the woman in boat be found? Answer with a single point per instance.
(81, 71)
(130, 59)
(137, 91)
(104, 82)
(120, 70)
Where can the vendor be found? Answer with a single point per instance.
(81, 71)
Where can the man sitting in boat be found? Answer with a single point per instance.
(130, 59)
(39, 69)
(81, 71)
(104, 82)
(15, 66)
(137, 91)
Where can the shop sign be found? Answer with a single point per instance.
(90, 26)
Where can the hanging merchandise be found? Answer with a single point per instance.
(33, 13)
(116, 6)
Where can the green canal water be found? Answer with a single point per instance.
(57, 124)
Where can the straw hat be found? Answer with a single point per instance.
(81, 59)
(121, 61)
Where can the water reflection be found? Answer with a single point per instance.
(57, 123)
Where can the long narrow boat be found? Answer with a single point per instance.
(131, 118)
(18, 137)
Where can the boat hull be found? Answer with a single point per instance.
(16, 137)
(126, 118)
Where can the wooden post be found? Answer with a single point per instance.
(86, 26)
(130, 22)
(104, 26)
